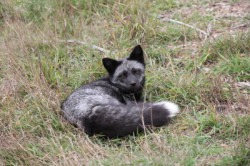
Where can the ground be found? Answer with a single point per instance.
(197, 55)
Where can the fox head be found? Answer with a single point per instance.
(127, 74)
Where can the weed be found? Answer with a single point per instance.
(39, 68)
(236, 66)
(228, 47)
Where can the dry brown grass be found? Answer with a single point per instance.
(37, 71)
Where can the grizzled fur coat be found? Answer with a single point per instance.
(112, 106)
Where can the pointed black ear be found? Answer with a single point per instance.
(110, 65)
(137, 54)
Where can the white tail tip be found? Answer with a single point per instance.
(171, 107)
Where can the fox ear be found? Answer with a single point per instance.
(110, 65)
(137, 54)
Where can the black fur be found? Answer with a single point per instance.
(112, 105)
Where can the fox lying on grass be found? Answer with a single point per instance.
(112, 106)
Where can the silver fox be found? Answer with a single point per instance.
(112, 106)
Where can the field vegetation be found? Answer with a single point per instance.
(197, 55)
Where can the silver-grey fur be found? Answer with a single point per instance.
(112, 105)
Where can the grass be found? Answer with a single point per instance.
(37, 72)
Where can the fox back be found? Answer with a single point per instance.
(112, 105)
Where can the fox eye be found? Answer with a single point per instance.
(136, 71)
(123, 74)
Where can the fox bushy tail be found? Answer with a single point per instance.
(122, 120)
